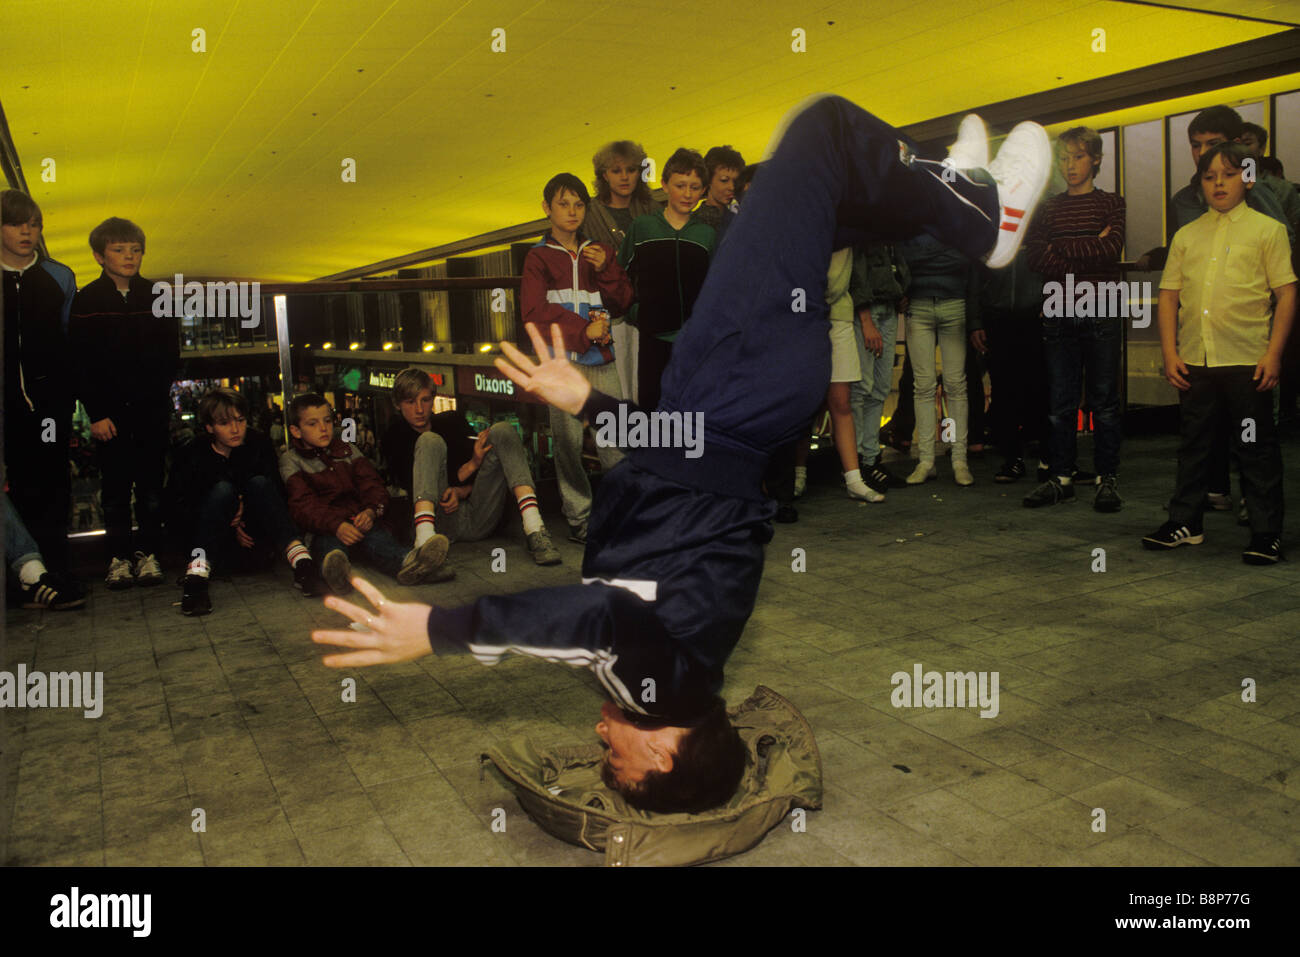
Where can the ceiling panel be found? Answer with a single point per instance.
(230, 159)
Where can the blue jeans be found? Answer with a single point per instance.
(265, 515)
(20, 547)
(379, 549)
(1083, 354)
(867, 396)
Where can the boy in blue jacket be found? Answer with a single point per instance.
(675, 549)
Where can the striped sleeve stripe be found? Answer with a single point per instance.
(601, 663)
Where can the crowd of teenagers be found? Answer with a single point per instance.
(617, 277)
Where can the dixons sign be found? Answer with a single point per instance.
(490, 384)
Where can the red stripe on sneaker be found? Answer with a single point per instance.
(1013, 212)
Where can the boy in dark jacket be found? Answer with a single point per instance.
(338, 496)
(666, 255)
(458, 479)
(127, 358)
(220, 483)
(38, 377)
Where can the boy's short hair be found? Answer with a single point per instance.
(1089, 139)
(216, 405)
(684, 161)
(1216, 119)
(408, 384)
(115, 229)
(604, 159)
(1261, 134)
(1234, 156)
(18, 209)
(746, 178)
(565, 181)
(301, 403)
(706, 772)
(722, 157)
(1273, 166)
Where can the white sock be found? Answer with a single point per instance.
(853, 481)
(31, 572)
(424, 529)
(1064, 479)
(529, 513)
(198, 568)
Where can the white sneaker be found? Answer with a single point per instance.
(971, 151)
(924, 472)
(962, 473)
(1021, 169)
(119, 574)
(147, 569)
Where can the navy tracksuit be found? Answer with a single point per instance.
(675, 545)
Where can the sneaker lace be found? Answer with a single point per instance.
(1011, 163)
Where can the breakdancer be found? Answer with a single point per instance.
(675, 547)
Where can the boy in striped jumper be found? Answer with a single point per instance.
(1080, 233)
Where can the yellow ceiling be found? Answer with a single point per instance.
(231, 159)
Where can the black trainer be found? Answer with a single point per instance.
(1262, 550)
(53, 592)
(1051, 492)
(875, 478)
(1080, 477)
(194, 596)
(306, 578)
(1108, 499)
(1013, 470)
(1171, 535)
(786, 514)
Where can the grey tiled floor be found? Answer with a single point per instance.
(1120, 691)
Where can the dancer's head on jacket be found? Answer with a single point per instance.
(670, 768)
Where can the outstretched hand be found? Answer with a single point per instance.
(398, 631)
(552, 378)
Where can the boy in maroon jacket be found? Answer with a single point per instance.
(576, 284)
(336, 494)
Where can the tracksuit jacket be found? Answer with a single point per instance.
(670, 574)
(561, 288)
(667, 268)
(127, 355)
(328, 486)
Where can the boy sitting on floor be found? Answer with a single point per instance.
(338, 496)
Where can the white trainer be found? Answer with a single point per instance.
(971, 151)
(1021, 169)
(119, 574)
(147, 569)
